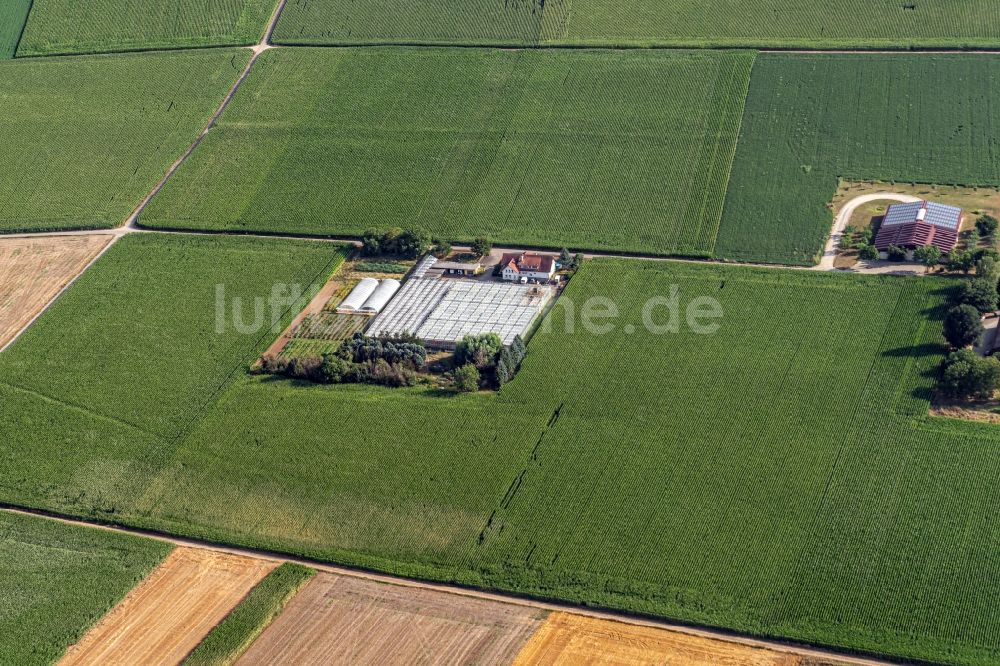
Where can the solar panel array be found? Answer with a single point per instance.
(442, 311)
(939, 215)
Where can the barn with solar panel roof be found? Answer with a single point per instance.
(912, 225)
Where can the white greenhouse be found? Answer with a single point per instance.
(358, 296)
(382, 295)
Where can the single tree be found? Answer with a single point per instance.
(966, 374)
(987, 268)
(390, 241)
(371, 242)
(962, 326)
(578, 260)
(972, 239)
(482, 247)
(928, 255)
(868, 253)
(987, 225)
(896, 253)
(467, 378)
(960, 260)
(565, 258)
(480, 350)
(441, 248)
(980, 293)
(412, 243)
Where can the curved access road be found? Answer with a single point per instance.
(844, 217)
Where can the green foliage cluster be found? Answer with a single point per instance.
(966, 374)
(99, 26)
(986, 225)
(775, 502)
(85, 139)
(756, 23)
(13, 14)
(231, 637)
(358, 360)
(57, 580)
(530, 152)
(395, 242)
(800, 135)
(962, 326)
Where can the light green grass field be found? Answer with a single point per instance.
(752, 23)
(778, 477)
(811, 119)
(85, 139)
(13, 14)
(588, 149)
(101, 26)
(57, 580)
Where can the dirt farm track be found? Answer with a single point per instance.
(168, 614)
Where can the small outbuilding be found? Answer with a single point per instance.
(458, 268)
(912, 225)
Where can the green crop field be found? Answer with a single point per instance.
(231, 638)
(85, 139)
(810, 119)
(13, 14)
(752, 23)
(779, 476)
(57, 580)
(101, 26)
(606, 150)
(134, 355)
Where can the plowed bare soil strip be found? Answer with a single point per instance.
(343, 620)
(168, 614)
(573, 639)
(34, 270)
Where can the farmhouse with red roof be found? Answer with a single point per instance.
(911, 225)
(524, 266)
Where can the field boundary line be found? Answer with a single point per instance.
(84, 410)
(701, 631)
(131, 223)
(113, 239)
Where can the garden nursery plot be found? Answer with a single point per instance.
(13, 14)
(752, 23)
(811, 119)
(779, 477)
(85, 139)
(100, 26)
(56, 580)
(591, 149)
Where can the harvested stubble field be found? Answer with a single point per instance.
(169, 613)
(57, 580)
(349, 621)
(531, 150)
(751, 23)
(780, 477)
(571, 640)
(34, 270)
(13, 14)
(811, 120)
(85, 139)
(99, 26)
